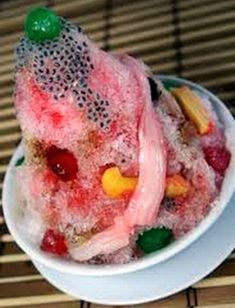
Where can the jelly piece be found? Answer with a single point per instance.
(192, 106)
(154, 239)
(115, 184)
(170, 84)
(42, 24)
(176, 186)
(62, 163)
(54, 243)
(19, 161)
(218, 158)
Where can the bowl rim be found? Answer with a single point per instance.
(72, 267)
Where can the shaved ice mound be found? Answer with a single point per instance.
(116, 164)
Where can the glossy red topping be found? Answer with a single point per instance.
(217, 157)
(54, 243)
(62, 163)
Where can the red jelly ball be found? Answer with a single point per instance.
(62, 163)
(218, 158)
(53, 242)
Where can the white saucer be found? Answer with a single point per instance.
(158, 281)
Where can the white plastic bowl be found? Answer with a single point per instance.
(11, 210)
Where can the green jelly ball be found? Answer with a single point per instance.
(20, 161)
(170, 84)
(154, 239)
(42, 24)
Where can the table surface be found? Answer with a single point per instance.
(193, 39)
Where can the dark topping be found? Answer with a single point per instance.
(64, 64)
(62, 163)
(169, 203)
(154, 90)
(20, 161)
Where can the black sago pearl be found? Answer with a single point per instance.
(63, 65)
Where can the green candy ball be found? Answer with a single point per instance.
(20, 161)
(42, 24)
(170, 84)
(154, 239)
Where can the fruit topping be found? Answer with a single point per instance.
(115, 184)
(62, 163)
(193, 108)
(54, 242)
(176, 186)
(217, 157)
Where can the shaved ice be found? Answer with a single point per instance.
(86, 113)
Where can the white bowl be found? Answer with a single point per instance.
(11, 210)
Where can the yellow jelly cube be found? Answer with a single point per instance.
(176, 186)
(193, 108)
(114, 184)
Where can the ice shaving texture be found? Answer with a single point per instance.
(73, 71)
(145, 200)
(82, 112)
(185, 149)
(78, 103)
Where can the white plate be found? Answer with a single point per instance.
(159, 281)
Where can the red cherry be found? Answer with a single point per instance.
(62, 163)
(54, 243)
(217, 157)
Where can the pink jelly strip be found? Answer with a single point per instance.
(145, 202)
